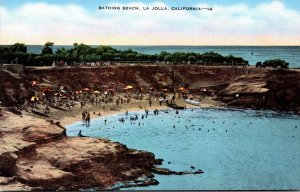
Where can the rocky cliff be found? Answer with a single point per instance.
(267, 88)
(272, 89)
(37, 155)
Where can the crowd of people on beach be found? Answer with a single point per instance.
(63, 99)
(49, 100)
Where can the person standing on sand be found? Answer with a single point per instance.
(87, 119)
(150, 102)
(173, 98)
(47, 109)
(83, 117)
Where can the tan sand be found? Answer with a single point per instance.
(134, 105)
(74, 114)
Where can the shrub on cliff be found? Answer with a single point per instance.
(47, 49)
(276, 63)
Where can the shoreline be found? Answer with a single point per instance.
(130, 107)
(45, 138)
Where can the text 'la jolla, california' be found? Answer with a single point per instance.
(136, 8)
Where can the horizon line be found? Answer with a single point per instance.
(279, 45)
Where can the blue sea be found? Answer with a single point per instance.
(260, 53)
(236, 149)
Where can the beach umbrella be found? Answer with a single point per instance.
(185, 91)
(164, 90)
(77, 92)
(105, 93)
(34, 98)
(33, 83)
(181, 89)
(86, 89)
(97, 92)
(129, 87)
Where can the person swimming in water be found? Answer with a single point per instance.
(122, 119)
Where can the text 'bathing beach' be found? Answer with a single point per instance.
(119, 8)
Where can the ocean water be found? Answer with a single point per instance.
(236, 149)
(260, 53)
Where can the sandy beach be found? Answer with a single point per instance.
(74, 115)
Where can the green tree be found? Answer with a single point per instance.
(192, 58)
(212, 57)
(74, 55)
(168, 58)
(18, 47)
(75, 45)
(47, 49)
(84, 49)
(107, 57)
(162, 55)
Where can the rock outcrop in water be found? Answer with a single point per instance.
(37, 155)
(273, 89)
(164, 171)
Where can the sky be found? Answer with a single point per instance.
(231, 22)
